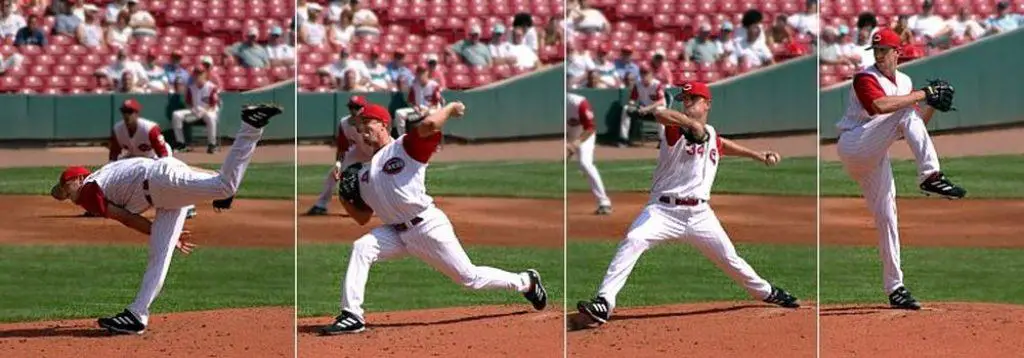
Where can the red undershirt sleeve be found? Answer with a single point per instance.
(91, 198)
(868, 90)
(157, 139)
(586, 116)
(421, 148)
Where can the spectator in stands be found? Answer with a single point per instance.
(79, 8)
(780, 32)
(399, 71)
(434, 71)
(10, 23)
(340, 32)
(577, 65)
(625, 67)
(661, 69)
(807, 21)
(177, 76)
(249, 53)
(471, 50)
(866, 25)
(499, 48)
(700, 48)
(553, 32)
(65, 22)
(902, 28)
(336, 72)
(751, 46)
(113, 10)
(586, 19)
(525, 56)
(335, 8)
(280, 52)
(120, 33)
(593, 80)
(155, 74)
(31, 34)
(725, 42)
(350, 82)
(89, 32)
(848, 48)
(1003, 20)
(312, 32)
(8, 63)
(35, 7)
(364, 20)
(831, 50)
(927, 23)
(380, 79)
(141, 21)
(524, 22)
(606, 69)
(301, 12)
(115, 72)
(130, 82)
(963, 27)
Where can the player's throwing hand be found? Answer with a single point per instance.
(185, 244)
(458, 109)
(771, 158)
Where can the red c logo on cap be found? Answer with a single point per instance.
(687, 87)
(876, 38)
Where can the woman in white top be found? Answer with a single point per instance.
(312, 32)
(120, 33)
(340, 33)
(89, 32)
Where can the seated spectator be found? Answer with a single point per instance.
(301, 12)
(577, 64)
(848, 48)
(79, 8)
(120, 33)
(364, 20)
(89, 32)
(336, 72)
(1003, 20)
(350, 82)
(115, 72)
(380, 79)
(113, 10)
(524, 22)
(625, 67)
(725, 42)
(340, 32)
(156, 75)
(831, 51)
(141, 21)
(661, 69)
(177, 76)
(927, 23)
(605, 70)
(10, 23)
(35, 7)
(553, 32)
(312, 32)
(499, 48)
(525, 57)
(65, 22)
(963, 26)
(780, 32)
(865, 30)
(866, 27)
(280, 52)
(8, 63)
(249, 53)
(751, 46)
(399, 71)
(586, 19)
(806, 22)
(700, 48)
(902, 28)
(31, 34)
(130, 82)
(471, 50)
(593, 80)
(434, 71)
(335, 8)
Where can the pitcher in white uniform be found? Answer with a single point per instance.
(393, 187)
(350, 149)
(125, 189)
(580, 139)
(135, 137)
(678, 208)
(882, 109)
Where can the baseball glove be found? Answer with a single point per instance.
(939, 95)
(692, 138)
(348, 186)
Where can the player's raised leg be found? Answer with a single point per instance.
(381, 243)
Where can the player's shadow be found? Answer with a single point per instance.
(315, 329)
(578, 322)
(81, 332)
(68, 216)
(857, 310)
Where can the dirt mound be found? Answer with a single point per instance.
(266, 332)
(482, 331)
(42, 220)
(939, 330)
(487, 221)
(747, 218)
(721, 329)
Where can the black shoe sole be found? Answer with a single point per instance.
(338, 333)
(906, 307)
(539, 287)
(947, 197)
(117, 330)
(583, 309)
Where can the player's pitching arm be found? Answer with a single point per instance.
(769, 158)
(143, 225)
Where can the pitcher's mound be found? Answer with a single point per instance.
(482, 331)
(264, 332)
(938, 330)
(720, 329)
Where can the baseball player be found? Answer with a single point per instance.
(135, 137)
(350, 150)
(203, 102)
(882, 109)
(392, 186)
(678, 208)
(580, 140)
(124, 189)
(645, 97)
(424, 97)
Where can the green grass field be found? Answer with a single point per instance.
(793, 176)
(996, 176)
(57, 282)
(408, 283)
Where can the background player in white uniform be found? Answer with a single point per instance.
(393, 186)
(678, 208)
(203, 101)
(424, 97)
(881, 110)
(350, 149)
(645, 97)
(581, 140)
(125, 189)
(135, 137)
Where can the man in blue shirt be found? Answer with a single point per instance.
(399, 72)
(1003, 21)
(177, 76)
(625, 67)
(31, 34)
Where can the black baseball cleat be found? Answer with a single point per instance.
(782, 298)
(597, 309)
(212, 148)
(901, 299)
(346, 322)
(603, 210)
(939, 185)
(316, 211)
(223, 204)
(258, 115)
(123, 323)
(537, 295)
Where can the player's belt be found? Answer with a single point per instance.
(679, 201)
(406, 226)
(145, 192)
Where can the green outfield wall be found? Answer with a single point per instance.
(90, 117)
(987, 76)
(529, 106)
(780, 99)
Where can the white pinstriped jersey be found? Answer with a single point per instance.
(394, 184)
(144, 142)
(648, 94)
(428, 95)
(121, 182)
(856, 115)
(578, 115)
(686, 170)
(205, 98)
(357, 150)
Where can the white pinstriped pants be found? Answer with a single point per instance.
(586, 157)
(696, 225)
(432, 241)
(864, 152)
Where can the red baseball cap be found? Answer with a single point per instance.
(886, 38)
(375, 111)
(72, 173)
(695, 88)
(131, 104)
(357, 101)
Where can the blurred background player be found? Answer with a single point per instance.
(424, 97)
(350, 150)
(645, 97)
(203, 103)
(580, 139)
